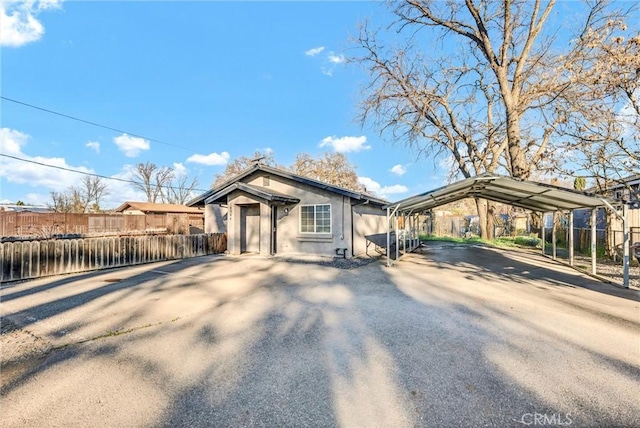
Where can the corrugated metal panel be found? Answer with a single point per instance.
(524, 194)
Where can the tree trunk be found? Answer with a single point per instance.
(518, 162)
(491, 209)
(485, 214)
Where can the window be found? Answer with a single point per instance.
(315, 218)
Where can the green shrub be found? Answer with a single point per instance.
(527, 241)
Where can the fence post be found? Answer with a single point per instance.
(3, 261)
(594, 220)
(625, 243)
(543, 232)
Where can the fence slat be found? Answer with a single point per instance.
(2, 267)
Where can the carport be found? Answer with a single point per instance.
(529, 195)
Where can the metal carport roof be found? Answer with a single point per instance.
(525, 194)
(520, 193)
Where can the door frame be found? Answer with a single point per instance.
(274, 230)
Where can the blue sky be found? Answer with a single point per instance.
(218, 79)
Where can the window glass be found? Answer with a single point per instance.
(315, 218)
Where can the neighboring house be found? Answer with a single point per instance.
(609, 226)
(175, 218)
(141, 208)
(628, 189)
(270, 211)
(24, 208)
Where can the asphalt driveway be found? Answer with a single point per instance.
(451, 336)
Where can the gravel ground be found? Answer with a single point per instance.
(336, 262)
(612, 270)
(605, 267)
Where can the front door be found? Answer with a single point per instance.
(250, 228)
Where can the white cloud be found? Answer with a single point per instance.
(329, 62)
(210, 159)
(314, 51)
(179, 170)
(33, 198)
(346, 144)
(18, 21)
(398, 170)
(131, 146)
(12, 141)
(382, 191)
(327, 71)
(336, 59)
(94, 145)
(20, 172)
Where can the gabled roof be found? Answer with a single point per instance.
(200, 200)
(260, 192)
(624, 182)
(520, 193)
(24, 208)
(158, 208)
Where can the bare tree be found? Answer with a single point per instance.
(604, 128)
(78, 199)
(152, 179)
(491, 105)
(91, 192)
(241, 164)
(331, 168)
(180, 191)
(60, 202)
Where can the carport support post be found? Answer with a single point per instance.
(553, 235)
(395, 225)
(571, 238)
(625, 243)
(542, 232)
(594, 219)
(388, 236)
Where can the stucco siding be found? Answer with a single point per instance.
(215, 219)
(290, 238)
(367, 220)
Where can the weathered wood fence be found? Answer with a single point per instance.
(45, 225)
(35, 259)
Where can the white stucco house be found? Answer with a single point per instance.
(267, 210)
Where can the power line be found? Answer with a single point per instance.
(94, 123)
(89, 173)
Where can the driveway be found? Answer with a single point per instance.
(450, 336)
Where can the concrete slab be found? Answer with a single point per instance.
(450, 336)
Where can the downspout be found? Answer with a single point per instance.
(353, 252)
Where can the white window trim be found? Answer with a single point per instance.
(315, 225)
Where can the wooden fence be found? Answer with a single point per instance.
(35, 259)
(46, 225)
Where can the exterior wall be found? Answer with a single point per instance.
(367, 220)
(130, 211)
(290, 239)
(215, 219)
